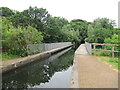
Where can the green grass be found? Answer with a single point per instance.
(113, 61)
(5, 56)
(104, 53)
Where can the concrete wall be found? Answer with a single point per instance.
(88, 47)
(32, 48)
(81, 50)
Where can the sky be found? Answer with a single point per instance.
(88, 10)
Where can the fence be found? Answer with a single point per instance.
(35, 48)
(112, 50)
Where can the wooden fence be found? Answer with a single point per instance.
(112, 50)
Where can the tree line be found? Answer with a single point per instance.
(35, 25)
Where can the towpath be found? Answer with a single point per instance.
(89, 72)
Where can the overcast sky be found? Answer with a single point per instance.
(70, 9)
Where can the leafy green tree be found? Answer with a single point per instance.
(113, 40)
(81, 26)
(6, 12)
(52, 28)
(69, 34)
(90, 33)
(35, 17)
(38, 17)
(99, 30)
(105, 23)
(52, 31)
(19, 19)
(116, 31)
(15, 40)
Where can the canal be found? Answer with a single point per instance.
(52, 72)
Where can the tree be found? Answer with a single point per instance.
(38, 17)
(99, 30)
(90, 33)
(15, 40)
(35, 17)
(19, 19)
(113, 40)
(81, 26)
(68, 34)
(105, 23)
(6, 12)
(52, 31)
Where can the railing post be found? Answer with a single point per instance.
(113, 51)
(94, 47)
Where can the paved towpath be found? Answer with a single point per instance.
(91, 73)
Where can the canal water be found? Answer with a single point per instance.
(52, 72)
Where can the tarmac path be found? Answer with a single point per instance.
(92, 73)
(96, 74)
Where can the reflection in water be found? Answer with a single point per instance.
(58, 80)
(42, 74)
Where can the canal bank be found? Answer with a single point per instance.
(9, 65)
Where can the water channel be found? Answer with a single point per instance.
(52, 72)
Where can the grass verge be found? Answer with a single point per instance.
(113, 61)
(6, 56)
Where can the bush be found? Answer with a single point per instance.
(15, 40)
(113, 40)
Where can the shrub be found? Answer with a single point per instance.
(113, 40)
(15, 40)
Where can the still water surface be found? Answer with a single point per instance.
(52, 72)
